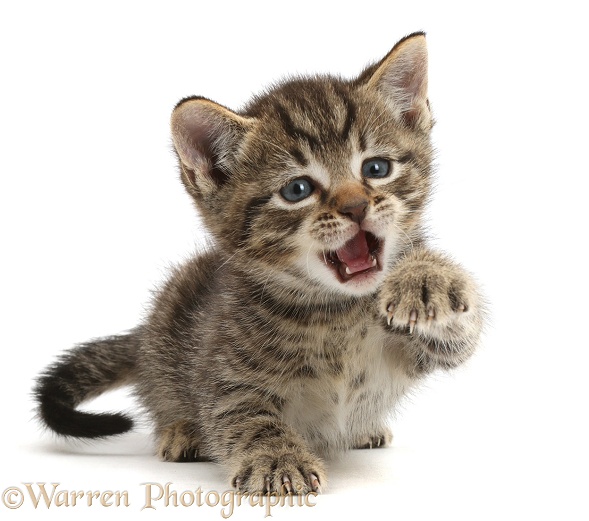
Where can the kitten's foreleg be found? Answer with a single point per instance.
(433, 307)
(264, 454)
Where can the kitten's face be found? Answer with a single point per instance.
(319, 182)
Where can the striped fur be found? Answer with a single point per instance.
(264, 353)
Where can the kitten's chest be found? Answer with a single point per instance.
(354, 387)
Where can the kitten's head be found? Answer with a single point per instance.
(320, 181)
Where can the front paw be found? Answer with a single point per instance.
(281, 471)
(180, 442)
(429, 295)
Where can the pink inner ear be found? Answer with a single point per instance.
(204, 133)
(417, 81)
(410, 84)
(402, 77)
(192, 131)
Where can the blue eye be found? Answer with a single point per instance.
(375, 168)
(297, 190)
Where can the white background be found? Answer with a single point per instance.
(93, 214)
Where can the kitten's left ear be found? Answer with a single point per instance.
(402, 78)
(206, 135)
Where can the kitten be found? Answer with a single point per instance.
(320, 303)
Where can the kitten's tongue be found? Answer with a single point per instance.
(355, 253)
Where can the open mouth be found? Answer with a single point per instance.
(359, 256)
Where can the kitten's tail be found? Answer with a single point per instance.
(83, 373)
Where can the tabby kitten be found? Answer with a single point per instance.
(318, 306)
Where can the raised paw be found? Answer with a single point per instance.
(282, 472)
(180, 442)
(425, 295)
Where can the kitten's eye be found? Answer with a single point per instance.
(376, 168)
(297, 190)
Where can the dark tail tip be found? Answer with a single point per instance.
(57, 411)
(67, 421)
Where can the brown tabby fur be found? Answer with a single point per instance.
(255, 354)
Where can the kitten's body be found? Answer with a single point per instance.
(319, 304)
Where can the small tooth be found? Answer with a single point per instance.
(348, 270)
(373, 262)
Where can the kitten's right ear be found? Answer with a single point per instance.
(205, 135)
(401, 76)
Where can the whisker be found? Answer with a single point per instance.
(403, 232)
(228, 259)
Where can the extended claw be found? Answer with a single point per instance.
(431, 314)
(287, 484)
(390, 313)
(412, 320)
(315, 485)
(461, 307)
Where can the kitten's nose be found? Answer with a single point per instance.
(355, 210)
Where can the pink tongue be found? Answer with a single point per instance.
(355, 253)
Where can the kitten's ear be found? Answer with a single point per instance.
(205, 136)
(402, 77)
